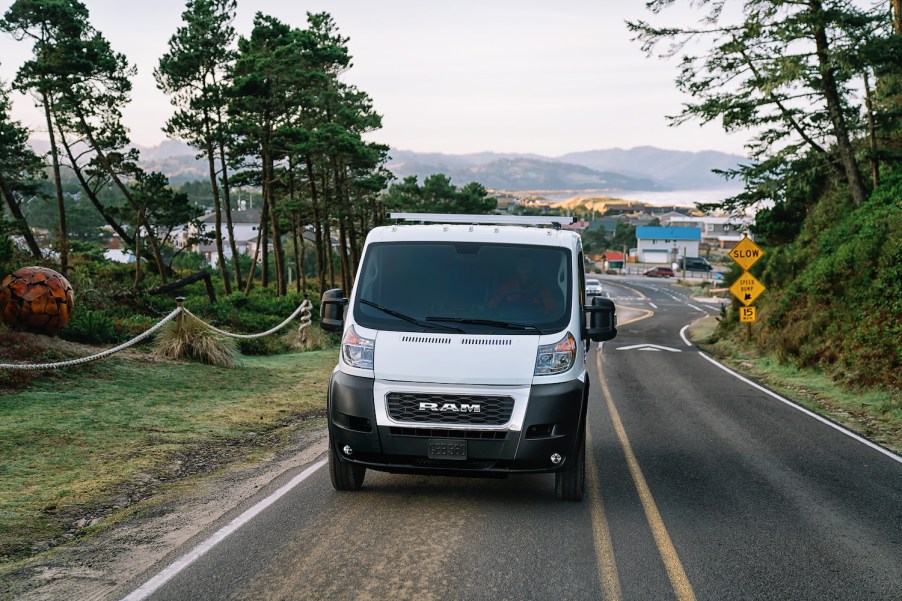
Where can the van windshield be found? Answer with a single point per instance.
(475, 287)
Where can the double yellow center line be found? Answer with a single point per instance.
(604, 548)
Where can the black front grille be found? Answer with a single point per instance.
(474, 410)
(444, 433)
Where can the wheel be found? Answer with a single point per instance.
(345, 476)
(570, 483)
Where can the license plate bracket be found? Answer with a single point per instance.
(446, 448)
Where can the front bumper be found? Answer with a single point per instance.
(552, 424)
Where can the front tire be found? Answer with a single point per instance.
(570, 483)
(345, 476)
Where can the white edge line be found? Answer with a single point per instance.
(683, 334)
(654, 306)
(154, 584)
(820, 418)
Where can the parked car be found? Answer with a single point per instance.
(660, 272)
(593, 287)
(695, 264)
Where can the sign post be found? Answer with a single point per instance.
(747, 288)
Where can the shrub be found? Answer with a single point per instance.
(311, 338)
(92, 327)
(193, 340)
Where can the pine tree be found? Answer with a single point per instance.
(777, 70)
(20, 169)
(193, 72)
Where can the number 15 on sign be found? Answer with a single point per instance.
(747, 314)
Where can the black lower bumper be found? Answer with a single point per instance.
(554, 422)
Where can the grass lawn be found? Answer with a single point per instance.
(78, 440)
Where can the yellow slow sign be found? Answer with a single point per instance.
(746, 253)
(747, 288)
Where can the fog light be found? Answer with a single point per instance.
(556, 459)
(347, 450)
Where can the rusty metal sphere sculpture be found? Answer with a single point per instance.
(36, 299)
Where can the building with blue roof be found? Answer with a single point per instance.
(657, 244)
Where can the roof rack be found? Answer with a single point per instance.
(555, 221)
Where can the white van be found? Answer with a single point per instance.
(463, 351)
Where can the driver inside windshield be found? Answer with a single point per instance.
(525, 287)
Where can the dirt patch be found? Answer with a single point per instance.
(113, 545)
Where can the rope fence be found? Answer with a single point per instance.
(304, 309)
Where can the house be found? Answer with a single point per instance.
(656, 244)
(717, 232)
(613, 260)
(578, 226)
(245, 224)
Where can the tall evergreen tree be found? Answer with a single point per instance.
(51, 25)
(265, 92)
(20, 169)
(193, 72)
(776, 70)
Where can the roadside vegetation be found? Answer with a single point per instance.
(874, 413)
(81, 444)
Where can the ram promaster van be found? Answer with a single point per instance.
(463, 351)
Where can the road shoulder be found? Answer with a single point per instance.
(154, 532)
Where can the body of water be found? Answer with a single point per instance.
(684, 198)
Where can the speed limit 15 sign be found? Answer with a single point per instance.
(747, 314)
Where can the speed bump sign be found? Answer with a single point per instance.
(747, 314)
(747, 288)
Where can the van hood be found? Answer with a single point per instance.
(455, 358)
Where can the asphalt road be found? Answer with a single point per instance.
(700, 486)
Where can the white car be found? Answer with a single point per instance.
(593, 287)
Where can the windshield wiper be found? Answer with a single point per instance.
(487, 322)
(413, 320)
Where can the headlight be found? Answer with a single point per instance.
(356, 350)
(556, 358)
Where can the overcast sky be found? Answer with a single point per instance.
(454, 77)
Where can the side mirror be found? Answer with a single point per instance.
(332, 310)
(602, 320)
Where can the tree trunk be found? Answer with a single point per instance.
(137, 253)
(872, 132)
(19, 217)
(62, 236)
(278, 255)
(330, 260)
(317, 226)
(154, 244)
(897, 16)
(301, 272)
(227, 198)
(92, 196)
(834, 108)
(341, 200)
(217, 224)
(264, 240)
(249, 283)
(327, 231)
(295, 236)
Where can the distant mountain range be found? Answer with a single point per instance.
(643, 168)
